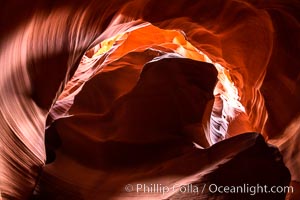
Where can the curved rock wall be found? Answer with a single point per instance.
(52, 79)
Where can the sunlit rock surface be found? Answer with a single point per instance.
(76, 91)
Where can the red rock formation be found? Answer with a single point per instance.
(74, 77)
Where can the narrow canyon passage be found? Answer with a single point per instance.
(97, 95)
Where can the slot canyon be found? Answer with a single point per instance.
(149, 99)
